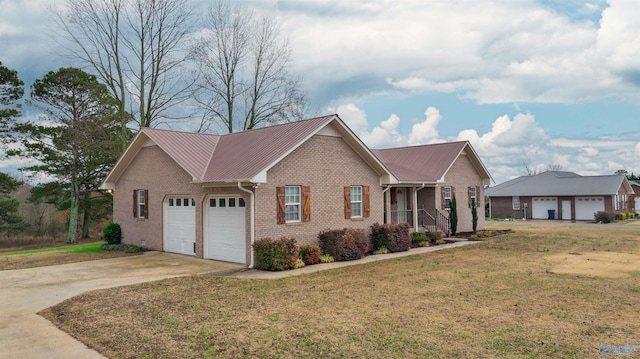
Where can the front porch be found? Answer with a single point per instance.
(416, 206)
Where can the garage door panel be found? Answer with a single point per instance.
(226, 229)
(587, 206)
(541, 206)
(180, 225)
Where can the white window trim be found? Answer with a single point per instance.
(142, 202)
(356, 202)
(296, 204)
(515, 203)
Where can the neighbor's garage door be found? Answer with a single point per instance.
(180, 225)
(587, 206)
(226, 229)
(542, 205)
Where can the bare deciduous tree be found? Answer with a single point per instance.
(243, 78)
(532, 171)
(135, 48)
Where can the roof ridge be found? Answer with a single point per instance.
(276, 125)
(423, 145)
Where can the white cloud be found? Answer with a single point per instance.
(494, 52)
(386, 134)
(589, 151)
(638, 149)
(618, 39)
(427, 130)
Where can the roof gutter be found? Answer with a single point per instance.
(252, 218)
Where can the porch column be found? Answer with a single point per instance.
(414, 191)
(387, 206)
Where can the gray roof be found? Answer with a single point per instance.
(557, 183)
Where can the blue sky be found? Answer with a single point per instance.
(547, 82)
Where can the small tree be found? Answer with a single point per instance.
(474, 215)
(453, 216)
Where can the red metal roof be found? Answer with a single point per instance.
(235, 156)
(192, 151)
(425, 163)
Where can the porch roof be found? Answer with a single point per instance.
(428, 164)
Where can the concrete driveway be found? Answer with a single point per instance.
(24, 292)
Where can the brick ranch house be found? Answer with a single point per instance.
(568, 195)
(212, 196)
(634, 199)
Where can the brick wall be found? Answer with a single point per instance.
(327, 164)
(461, 175)
(502, 207)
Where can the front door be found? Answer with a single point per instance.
(566, 210)
(401, 194)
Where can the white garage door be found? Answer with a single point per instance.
(226, 230)
(542, 205)
(180, 225)
(587, 206)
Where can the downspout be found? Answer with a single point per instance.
(415, 207)
(251, 218)
(387, 207)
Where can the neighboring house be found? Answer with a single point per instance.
(559, 195)
(212, 196)
(634, 199)
(429, 177)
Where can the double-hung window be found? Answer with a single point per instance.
(356, 201)
(292, 203)
(140, 203)
(447, 197)
(473, 196)
(515, 203)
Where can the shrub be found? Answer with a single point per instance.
(299, 263)
(127, 248)
(381, 250)
(380, 236)
(604, 216)
(419, 237)
(310, 254)
(621, 216)
(435, 237)
(112, 233)
(400, 240)
(275, 255)
(343, 244)
(394, 237)
(325, 258)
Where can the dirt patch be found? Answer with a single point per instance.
(481, 235)
(597, 264)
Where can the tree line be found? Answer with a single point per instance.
(136, 64)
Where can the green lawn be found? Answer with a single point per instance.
(74, 248)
